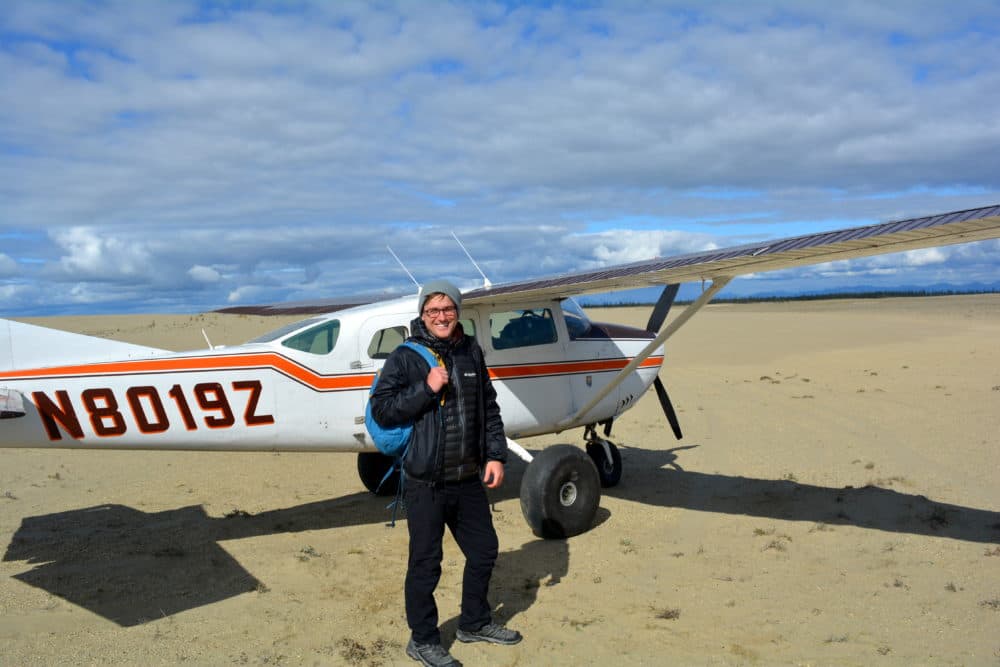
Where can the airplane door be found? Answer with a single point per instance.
(525, 351)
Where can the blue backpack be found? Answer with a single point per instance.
(395, 440)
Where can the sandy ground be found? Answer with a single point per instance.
(834, 502)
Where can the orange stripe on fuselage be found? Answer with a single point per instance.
(279, 363)
(297, 371)
(568, 367)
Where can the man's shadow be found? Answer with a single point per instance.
(518, 576)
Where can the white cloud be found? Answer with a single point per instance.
(925, 256)
(244, 294)
(83, 293)
(198, 154)
(8, 267)
(9, 292)
(204, 274)
(92, 254)
(624, 245)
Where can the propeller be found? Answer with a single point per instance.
(659, 338)
(668, 408)
(662, 307)
(656, 320)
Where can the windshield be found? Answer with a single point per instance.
(320, 339)
(285, 330)
(576, 320)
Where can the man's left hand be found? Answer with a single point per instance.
(493, 476)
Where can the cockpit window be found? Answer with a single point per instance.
(522, 328)
(320, 339)
(576, 320)
(285, 330)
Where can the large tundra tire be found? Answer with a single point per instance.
(560, 492)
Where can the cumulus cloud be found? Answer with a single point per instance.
(91, 254)
(624, 245)
(198, 153)
(204, 274)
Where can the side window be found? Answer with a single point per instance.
(385, 341)
(317, 340)
(522, 328)
(469, 327)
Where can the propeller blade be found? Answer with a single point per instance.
(662, 307)
(668, 408)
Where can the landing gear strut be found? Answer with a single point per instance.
(606, 457)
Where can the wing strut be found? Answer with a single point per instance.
(667, 332)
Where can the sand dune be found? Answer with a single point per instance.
(834, 501)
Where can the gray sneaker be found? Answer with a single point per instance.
(432, 655)
(491, 632)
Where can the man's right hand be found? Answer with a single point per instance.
(437, 378)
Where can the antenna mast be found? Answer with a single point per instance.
(404, 267)
(486, 281)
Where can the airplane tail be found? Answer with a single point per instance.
(29, 346)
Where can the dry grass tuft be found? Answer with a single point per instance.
(667, 613)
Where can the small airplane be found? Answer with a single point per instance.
(303, 387)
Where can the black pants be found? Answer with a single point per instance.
(464, 508)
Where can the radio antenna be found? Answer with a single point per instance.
(486, 281)
(404, 267)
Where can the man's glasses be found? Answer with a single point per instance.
(434, 312)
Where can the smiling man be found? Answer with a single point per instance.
(458, 446)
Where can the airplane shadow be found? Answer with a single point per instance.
(654, 477)
(132, 567)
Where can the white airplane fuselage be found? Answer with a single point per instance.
(305, 388)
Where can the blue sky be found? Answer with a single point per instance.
(178, 157)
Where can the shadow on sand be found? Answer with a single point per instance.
(654, 477)
(132, 567)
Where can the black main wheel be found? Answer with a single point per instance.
(610, 472)
(560, 492)
(372, 467)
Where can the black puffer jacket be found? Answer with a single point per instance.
(402, 396)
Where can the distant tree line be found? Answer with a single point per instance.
(806, 297)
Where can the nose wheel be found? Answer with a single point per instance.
(560, 492)
(607, 459)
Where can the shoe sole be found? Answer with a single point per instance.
(468, 639)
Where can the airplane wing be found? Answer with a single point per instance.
(936, 230)
(308, 307)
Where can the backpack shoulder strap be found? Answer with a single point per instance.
(429, 355)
